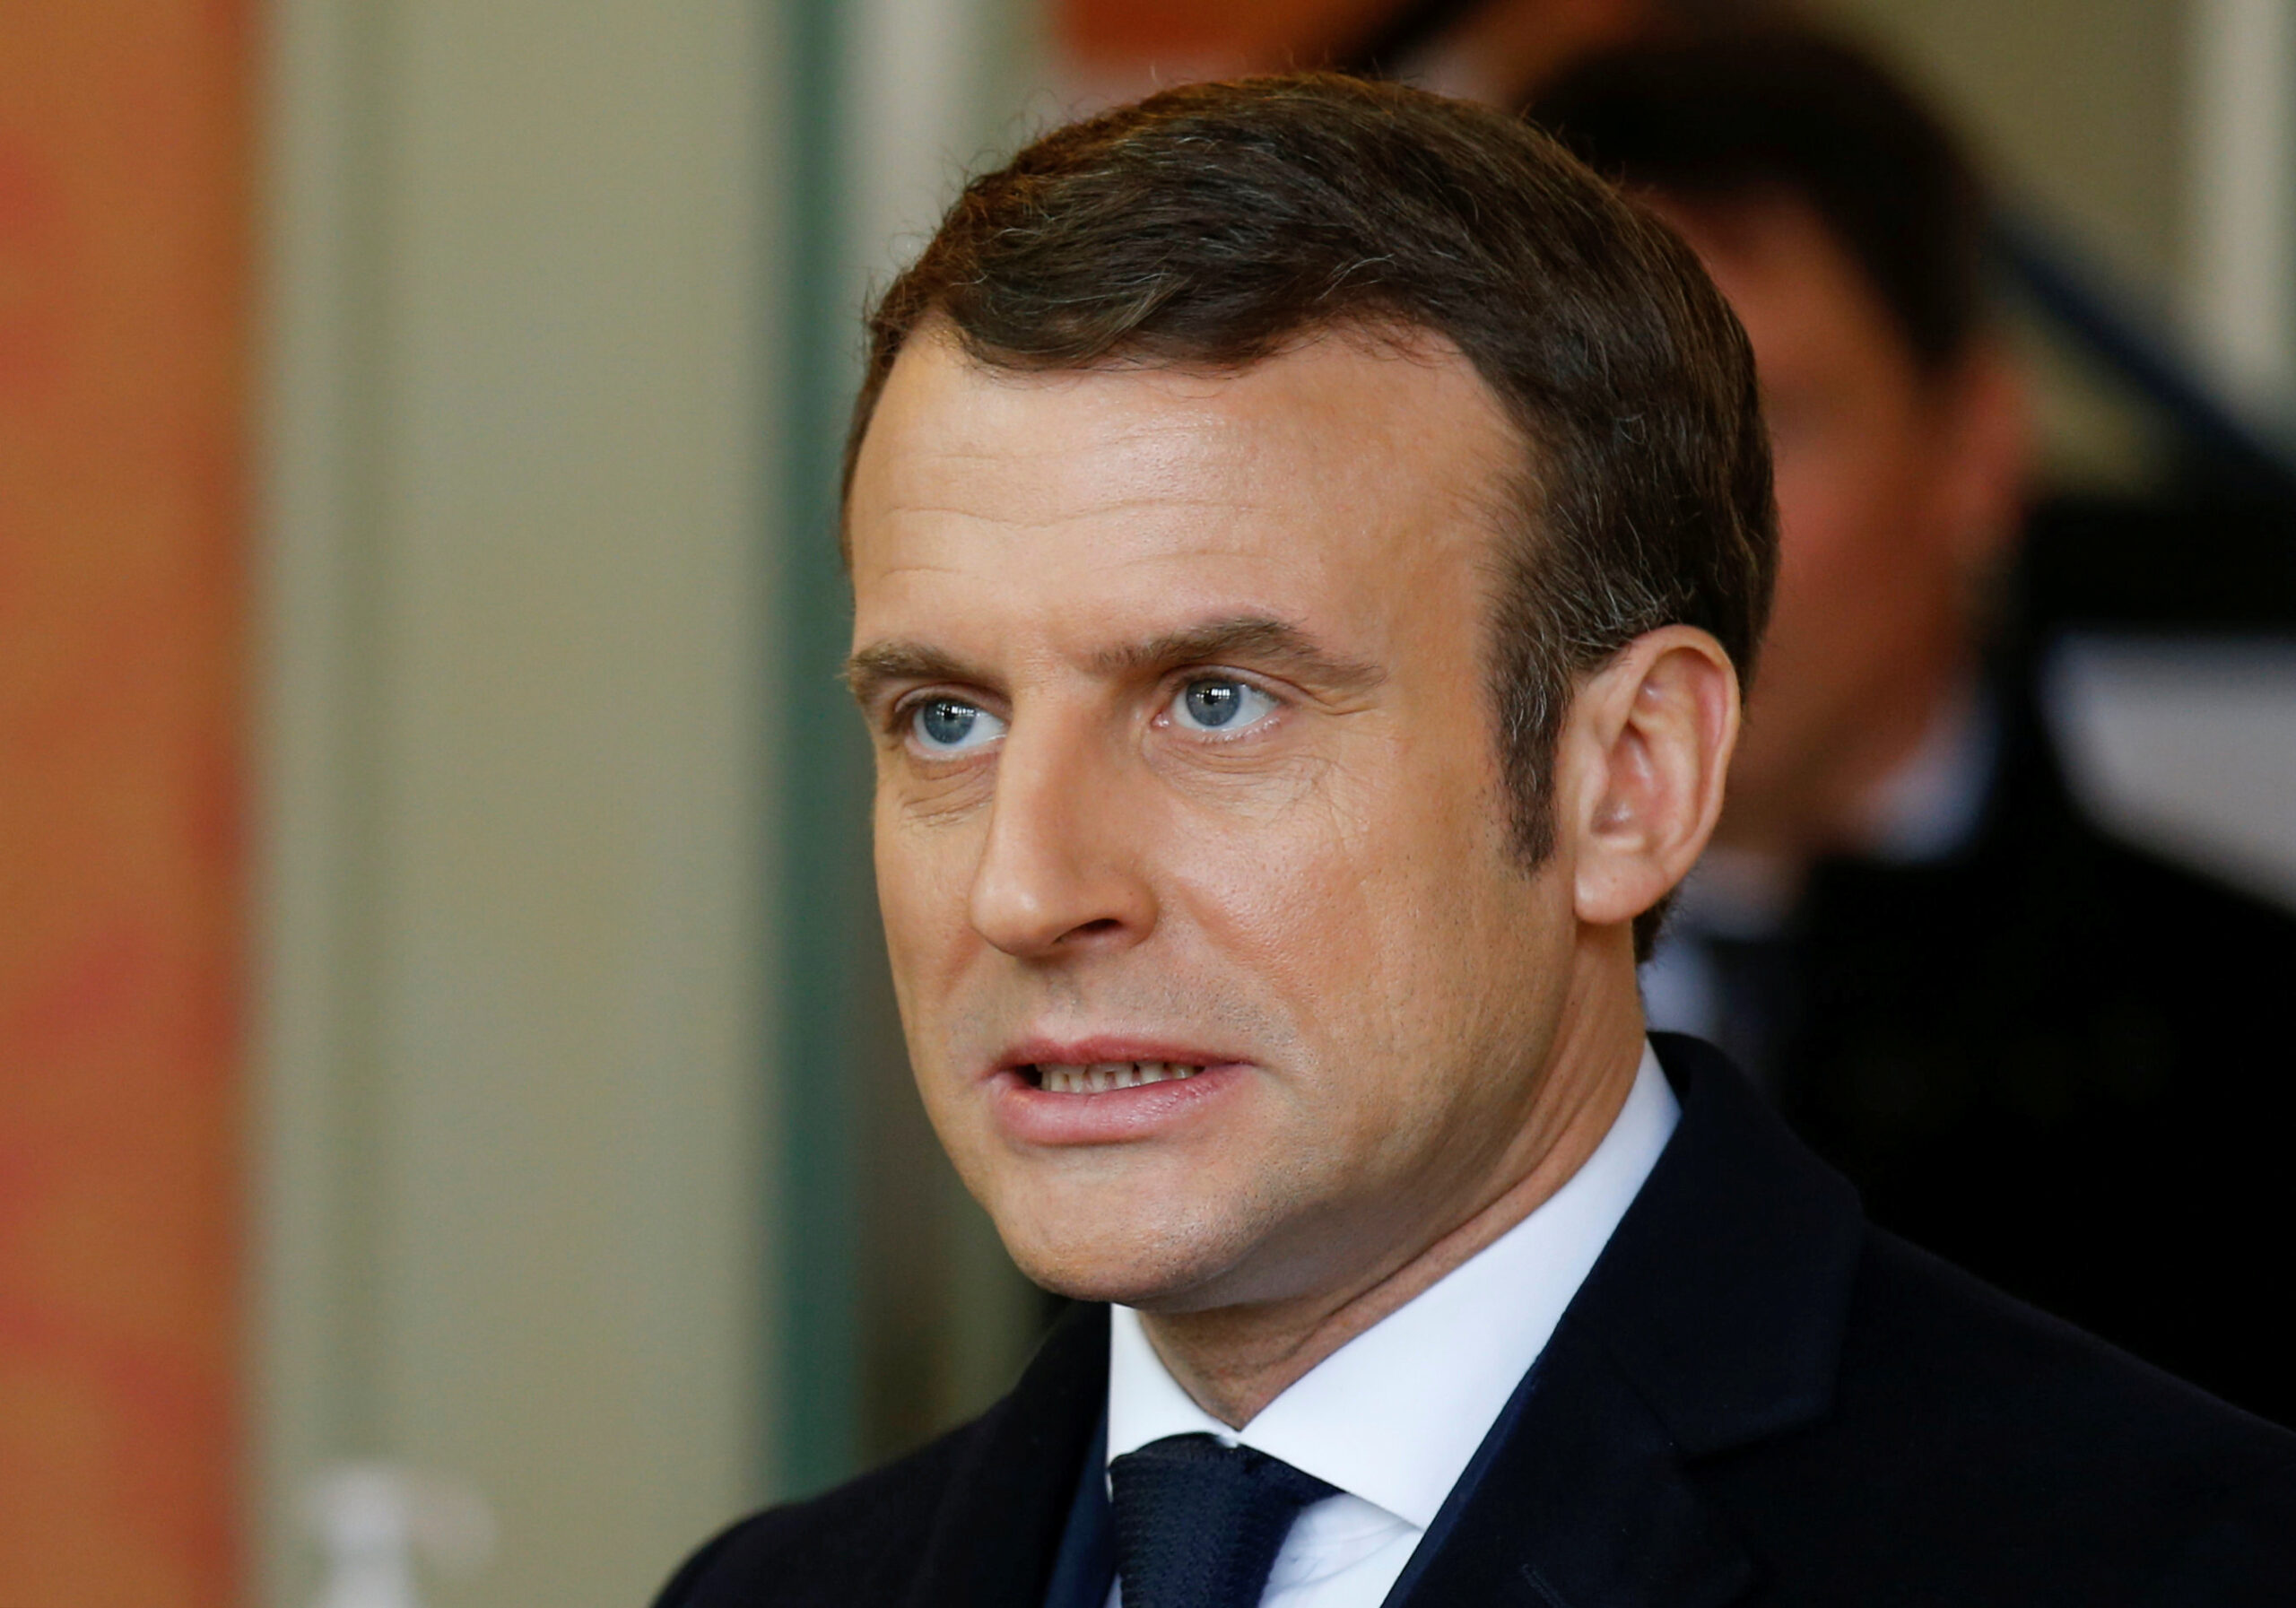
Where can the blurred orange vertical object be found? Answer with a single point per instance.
(125, 165)
(1257, 35)
(1495, 50)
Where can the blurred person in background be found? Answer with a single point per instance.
(2038, 1051)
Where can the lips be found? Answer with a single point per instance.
(1109, 1089)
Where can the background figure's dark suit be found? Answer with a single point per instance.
(1755, 1397)
(2054, 1060)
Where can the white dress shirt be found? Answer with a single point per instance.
(1392, 1417)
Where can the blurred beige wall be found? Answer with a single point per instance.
(516, 816)
(2079, 103)
(2156, 140)
(2159, 136)
(2084, 113)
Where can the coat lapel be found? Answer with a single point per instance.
(1007, 1504)
(1583, 1505)
(1714, 1319)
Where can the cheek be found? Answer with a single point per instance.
(924, 878)
(1359, 904)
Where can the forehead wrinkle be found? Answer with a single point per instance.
(1129, 505)
(990, 462)
(1115, 409)
(1147, 440)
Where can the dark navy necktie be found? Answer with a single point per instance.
(1198, 1524)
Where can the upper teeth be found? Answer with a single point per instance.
(1102, 1076)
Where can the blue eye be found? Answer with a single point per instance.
(1221, 704)
(951, 726)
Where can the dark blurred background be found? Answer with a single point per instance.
(445, 1064)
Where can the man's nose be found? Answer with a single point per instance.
(1061, 869)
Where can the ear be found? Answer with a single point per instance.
(1640, 768)
(1988, 420)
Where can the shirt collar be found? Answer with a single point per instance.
(1395, 1414)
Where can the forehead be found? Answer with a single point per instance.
(1333, 472)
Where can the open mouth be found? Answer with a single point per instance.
(1100, 1076)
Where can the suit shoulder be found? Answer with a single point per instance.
(834, 1548)
(1978, 1450)
(1923, 1334)
(1992, 1416)
(2243, 1552)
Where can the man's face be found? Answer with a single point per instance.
(1893, 485)
(1185, 761)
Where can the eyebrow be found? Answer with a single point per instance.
(1244, 640)
(872, 669)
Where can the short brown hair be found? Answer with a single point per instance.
(1215, 224)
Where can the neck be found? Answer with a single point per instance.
(1234, 1360)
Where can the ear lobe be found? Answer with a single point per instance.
(1650, 735)
(1991, 444)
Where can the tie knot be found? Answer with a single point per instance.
(1198, 1524)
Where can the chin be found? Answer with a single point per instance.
(1135, 1260)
